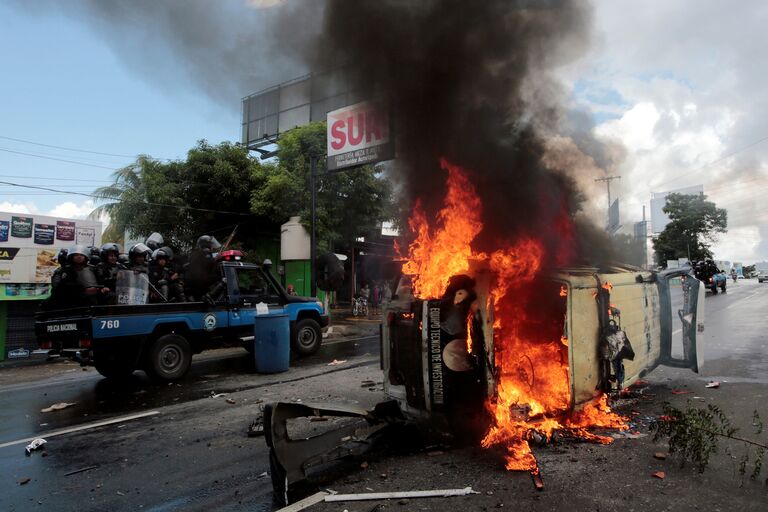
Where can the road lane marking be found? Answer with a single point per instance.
(79, 428)
(349, 339)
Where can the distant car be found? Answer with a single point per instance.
(762, 276)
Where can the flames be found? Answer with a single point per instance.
(532, 396)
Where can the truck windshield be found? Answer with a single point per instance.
(253, 286)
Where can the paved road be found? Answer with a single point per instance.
(193, 454)
(190, 451)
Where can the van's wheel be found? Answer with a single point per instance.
(114, 370)
(169, 358)
(306, 337)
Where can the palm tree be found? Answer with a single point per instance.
(140, 200)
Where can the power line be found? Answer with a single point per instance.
(58, 159)
(117, 199)
(54, 179)
(72, 149)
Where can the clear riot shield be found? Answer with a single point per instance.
(132, 287)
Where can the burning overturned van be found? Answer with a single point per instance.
(490, 347)
(472, 366)
(505, 372)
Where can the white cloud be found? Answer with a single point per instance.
(71, 210)
(679, 85)
(65, 210)
(7, 206)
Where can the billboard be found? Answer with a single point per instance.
(613, 217)
(28, 245)
(659, 219)
(358, 134)
(295, 103)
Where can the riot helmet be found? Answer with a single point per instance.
(138, 250)
(208, 244)
(168, 251)
(160, 254)
(61, 257)
(154, 241)
(80, 250)
(122, 258)
(107, 248)
(94, 255)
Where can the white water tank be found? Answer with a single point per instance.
(294, 240)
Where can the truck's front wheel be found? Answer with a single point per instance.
(169, 358)
(306, 337)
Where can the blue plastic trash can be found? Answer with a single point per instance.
(272, 343)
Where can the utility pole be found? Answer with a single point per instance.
(607, 181)
(313, 220)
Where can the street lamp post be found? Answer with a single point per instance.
(313, 220)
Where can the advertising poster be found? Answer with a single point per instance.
(21, 227)
(28, 245)
(85, 236)
(65, 231)
(44, 234)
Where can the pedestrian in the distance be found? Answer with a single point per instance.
(375, 298)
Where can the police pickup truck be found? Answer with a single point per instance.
(161, 338)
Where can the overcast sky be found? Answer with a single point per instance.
(677, 83)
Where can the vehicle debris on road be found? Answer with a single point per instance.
(713, 384)
(58, 406)
(36, 444)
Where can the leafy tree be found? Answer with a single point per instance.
(350, 204)
(694, 224)
(208, 193)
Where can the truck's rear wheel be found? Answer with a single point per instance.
(306, 337)
(113, 370)
(169, 358)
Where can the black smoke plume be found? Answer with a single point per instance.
(473, 82)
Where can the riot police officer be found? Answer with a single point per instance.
(106, 271)
(200, 273)
(137, 257)
(76, 285)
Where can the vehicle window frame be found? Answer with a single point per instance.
(271, 296)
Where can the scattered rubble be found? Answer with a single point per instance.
(36, 444)
(58, 406)
(713, 384)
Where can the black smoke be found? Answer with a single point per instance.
(474, 82)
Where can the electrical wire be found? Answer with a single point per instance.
(54, 179)
(59, 159)
(149, 203)
(72, 149)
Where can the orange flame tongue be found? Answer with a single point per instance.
(435, 256)
(533, 385)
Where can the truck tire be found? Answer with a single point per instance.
(115, 371)
(169, 358)
(306, 337)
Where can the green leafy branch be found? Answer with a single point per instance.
(694, 434)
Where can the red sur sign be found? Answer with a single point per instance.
(356, 127)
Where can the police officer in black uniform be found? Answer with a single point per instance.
(106, 272)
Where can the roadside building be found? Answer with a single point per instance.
(28, 247)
